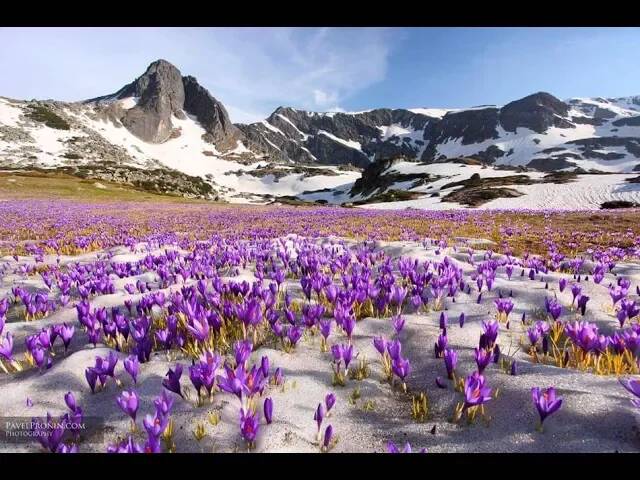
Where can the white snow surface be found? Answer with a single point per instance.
(347, 143)
(129, 102)
(587, 192)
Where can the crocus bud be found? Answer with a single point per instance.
(328, 434)
(318, 416)
(268, 409)
(264, 366)
(329, 401)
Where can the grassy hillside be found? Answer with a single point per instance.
(29, 184)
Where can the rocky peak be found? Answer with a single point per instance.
(163, 93)
(211, 114)
(536, 112)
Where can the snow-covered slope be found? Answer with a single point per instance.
(579, 192)
(538, 131)
(26, 143)
(168, 123)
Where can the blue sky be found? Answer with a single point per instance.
(254, 70)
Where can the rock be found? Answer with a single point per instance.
(376, 178)
(627, 122)
(550, 164)
(536, 112)
(161, 95)
(614, 204)
(470, 126)
(211, 114)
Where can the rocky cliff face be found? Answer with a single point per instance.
(211, 114)
(340, 138)
(162, 93)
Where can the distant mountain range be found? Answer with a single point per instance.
(166, 132)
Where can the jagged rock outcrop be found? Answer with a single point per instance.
(211, 114)
(340, 138)
(162, 93)
(536, 112)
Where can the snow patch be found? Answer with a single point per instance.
(347, 143)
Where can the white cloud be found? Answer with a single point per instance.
(322, 99)
(259, 69)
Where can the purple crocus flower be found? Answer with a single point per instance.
(483, 358)
(155, 425)
(318, 415)
(293, 334)
(199, 328)
(562, 283)
(394, 349)
(504, 306)
(576, 289)
(401, 367)
(633, 386)
(128, 401)
(268, 410)
(171, 380)
(582, 303)
(440, 345)
(127, 445)
(398, 323)
(6, 347)
(232, 381)
(489, 334)
(242, 351)
(66, 334)
(545, 402)
(92, 376)
(444, 321)
(617, 294)
(325, 328)
(132, 366)
(553, 307)
(278, 376)
(329, 401)
(65, 448)
(163, 404)
(328, 434)
(348, 324)
(392, 448)
(397, 295)
(347, 355)
(380, 344)
(534, 335)
(264, 366)
(450, 361)
(475, 391)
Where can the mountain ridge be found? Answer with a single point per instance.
(166, 120)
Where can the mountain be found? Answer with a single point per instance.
(165, 132)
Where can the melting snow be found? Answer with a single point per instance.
(347, 143)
